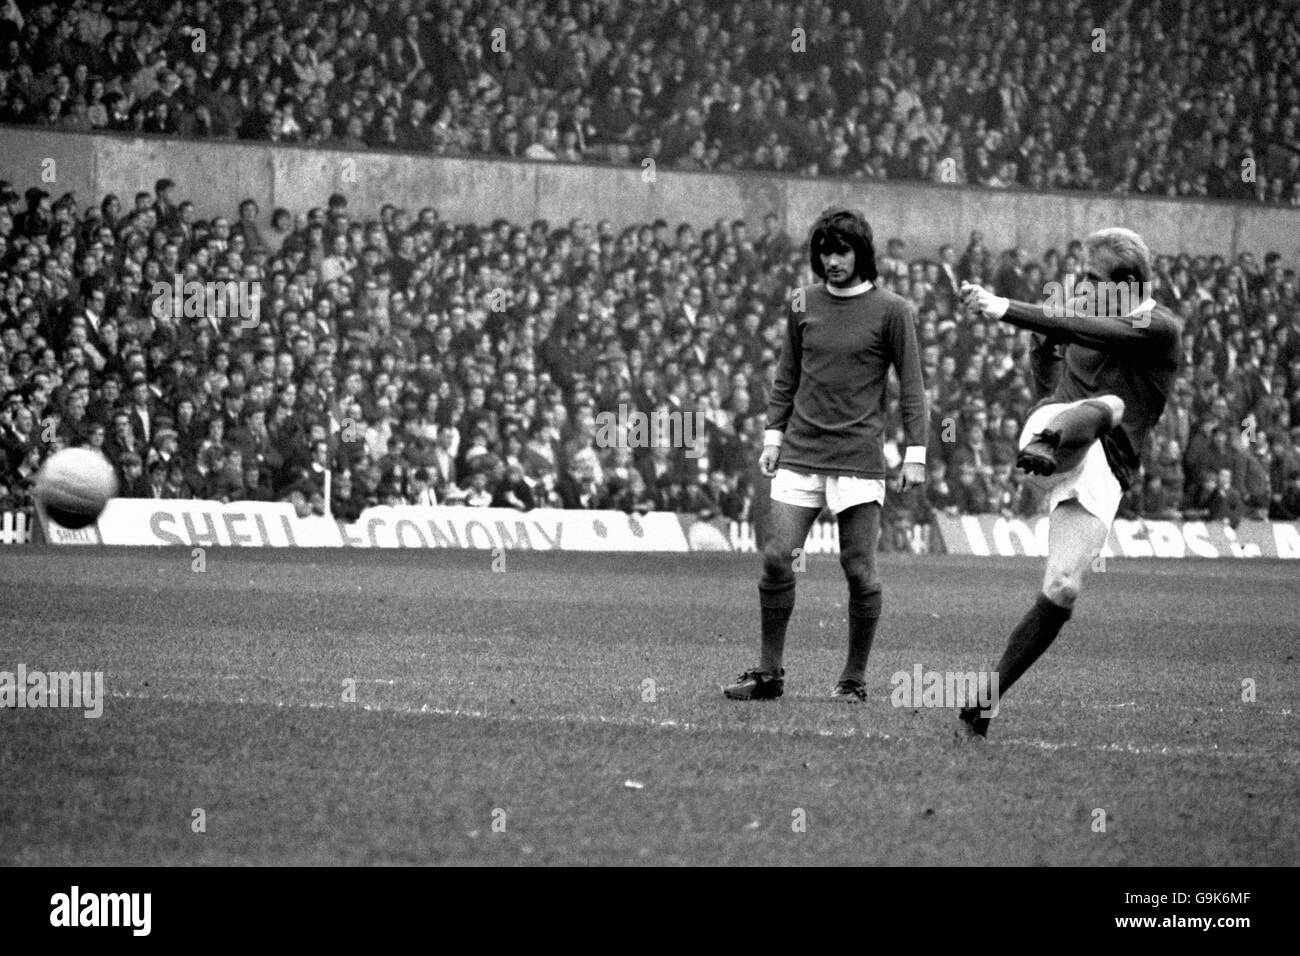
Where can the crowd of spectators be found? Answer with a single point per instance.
(1163, 97)
(406, 359)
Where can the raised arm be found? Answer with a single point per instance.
(1104, 333)
(1101, 332)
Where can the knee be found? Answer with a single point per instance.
(1114, 404)
(1063, 587)
(778, 564)
(859, 567)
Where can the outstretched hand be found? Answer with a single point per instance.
(975, 299)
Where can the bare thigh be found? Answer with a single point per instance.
(1075, 536)
(787, 529)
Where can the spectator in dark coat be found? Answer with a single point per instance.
(132, 482)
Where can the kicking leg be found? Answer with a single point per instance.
(788, 527)
(859, 536)
(1075, 538)
(1060, 446)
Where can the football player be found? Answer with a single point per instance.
(1103, 364)
(822, 446)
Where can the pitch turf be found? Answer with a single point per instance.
(520, 696)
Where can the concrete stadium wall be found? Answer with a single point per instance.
(217, 174)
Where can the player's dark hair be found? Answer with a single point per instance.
(839, 228)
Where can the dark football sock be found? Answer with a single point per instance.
(864, 614)
(1081, 424)
(1033, 635)
(776, 604)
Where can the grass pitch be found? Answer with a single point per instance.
(366, 707)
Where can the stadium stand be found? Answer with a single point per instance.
(1002, 94)
(413, 359)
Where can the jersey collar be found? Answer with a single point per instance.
(861, 287)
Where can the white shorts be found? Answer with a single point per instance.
(1091, 483)
(837, 492)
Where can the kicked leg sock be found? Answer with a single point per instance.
(864, 614)
(776, 604)
(1033, 635)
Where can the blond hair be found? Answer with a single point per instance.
(1127, 248)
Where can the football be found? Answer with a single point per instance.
(74, 485)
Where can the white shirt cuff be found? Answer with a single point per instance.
(997, 307)
(773, 437)
(915, 455)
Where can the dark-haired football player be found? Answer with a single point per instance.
(823, 445)
(1105, 363)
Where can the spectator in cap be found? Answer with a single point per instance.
(166, 443)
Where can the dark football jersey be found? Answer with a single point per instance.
(1083, 356)
(829, 393)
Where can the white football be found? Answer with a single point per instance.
(74, 485)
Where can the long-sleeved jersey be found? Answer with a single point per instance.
(1084, 356)
(829, 393)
